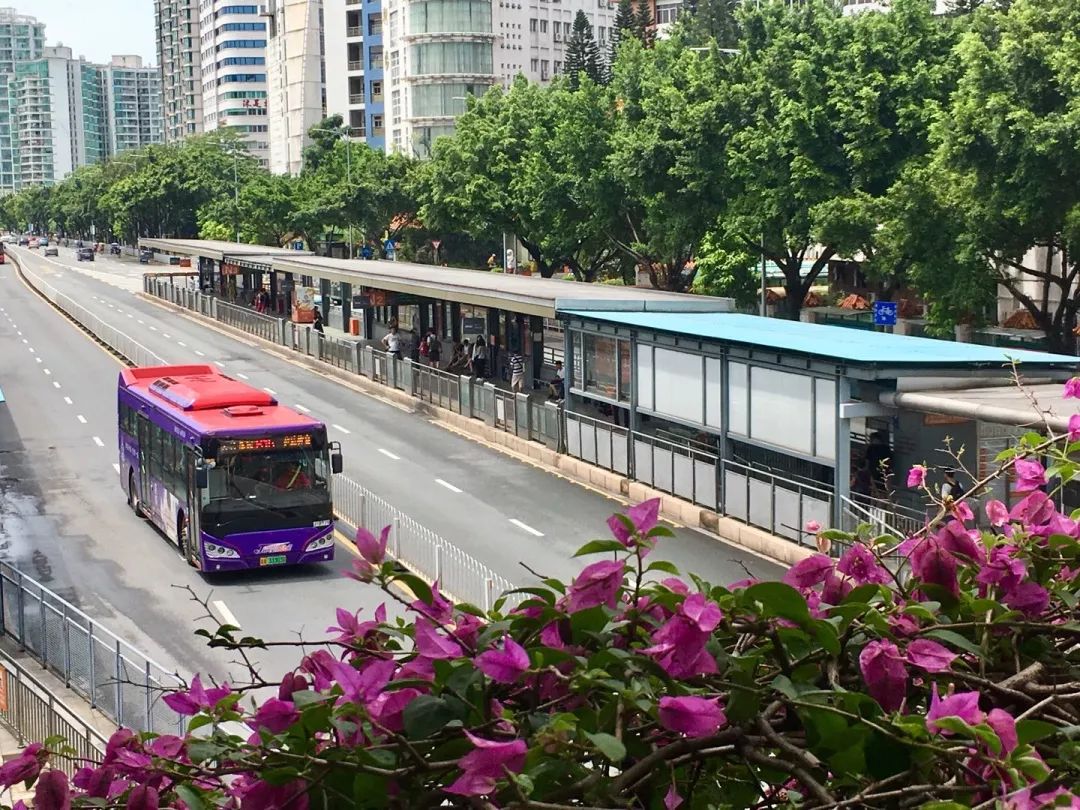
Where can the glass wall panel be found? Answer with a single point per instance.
(429, 100)
(449, 16)
(435, 58)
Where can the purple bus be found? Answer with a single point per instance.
(232, 478)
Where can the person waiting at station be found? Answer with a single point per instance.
(517, 372)
(478, 359)
(317, 323)
(392, 341)
(434, 348)
(557, 386)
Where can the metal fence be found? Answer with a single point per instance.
(772, 502)
(598, 442)
(117, 679)
(33, 713)
(459, 574)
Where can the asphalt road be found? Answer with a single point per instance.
(63, 519)
(502, 511)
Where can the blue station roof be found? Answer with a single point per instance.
(837, 343)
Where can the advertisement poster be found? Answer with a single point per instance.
(304, 304)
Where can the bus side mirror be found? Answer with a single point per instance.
(202, 478)
(336, 464)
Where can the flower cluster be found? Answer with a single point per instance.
(936, 669)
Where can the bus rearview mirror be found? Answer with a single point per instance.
(336, 463)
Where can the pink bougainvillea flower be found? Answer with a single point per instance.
(903, 624)
(643, 518)
(1074, 427)
(486, 764)
(505, 665)
(809, 571)
(933, 564)
(1004, 725)
(962, 511)
(290, 683)
(862, 566)
(813, 527)
(52, 793)
(388, 707)
(260, 795)
(197, 698)
(692, 716)
(997, 513)
(884, 673)
(361, 570)
(349, 628)
(362, 685)
(439, 610)
(25, 767)
(916, 476)
(168, 746)
(1002, 568)
(1030, 475)
(1036, 509)
(431, 643)
(957, 539)
(1030, 598)
(929, 655)
(597, 584)
(372, 548)
(1027, 800)
(143, 797)
(835, 588)
(964, 705)
(679, 645)
(276, 716)
(1072, 389)
(672, 799)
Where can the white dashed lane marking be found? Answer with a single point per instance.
(388, 454)
(447, 484)
(81, 418)
(339, 427)
(67, 400)
(300, 407)
(98, 442)
(526, 527)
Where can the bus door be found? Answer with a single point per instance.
(145, 437)
(194, 506)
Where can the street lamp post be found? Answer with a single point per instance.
(236, 195)
(343, 133)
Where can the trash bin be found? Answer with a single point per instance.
(354, 326)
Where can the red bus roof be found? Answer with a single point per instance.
(209, 401)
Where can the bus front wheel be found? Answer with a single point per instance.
(133, 496)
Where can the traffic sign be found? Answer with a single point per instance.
(884, 313)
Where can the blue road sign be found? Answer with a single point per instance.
(884, 313)
(298, 245)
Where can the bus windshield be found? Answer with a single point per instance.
(276, 481)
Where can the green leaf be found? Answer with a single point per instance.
(425, 715)
(779, 599)
(943, 806)
(189, 796)
(420, 589)
(827, 637)
(600, 547)
(609, 746)
(665, 566)
(1029, 731)
(836, 534)
(955, 639)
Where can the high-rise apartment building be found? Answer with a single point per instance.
(543, 38)
(354, 67)
(233, 38)
(179, 51)
(132, 104)
(296, 75)
(22, 39)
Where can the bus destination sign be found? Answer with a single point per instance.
(282, 441)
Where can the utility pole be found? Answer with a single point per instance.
(236, 195)
(764, 286)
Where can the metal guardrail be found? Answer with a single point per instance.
(111, 674)
(33, 713)
(772, 502)
(419, 549)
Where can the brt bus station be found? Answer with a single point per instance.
(769, 422)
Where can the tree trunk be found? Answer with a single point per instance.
(546, 270)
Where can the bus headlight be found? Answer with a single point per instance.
(319, 543)
(216, 552)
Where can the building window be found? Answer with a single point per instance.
(534, 65)
(376, 125)
(667, 13)
(376, 91)
(395, 107)
(543, 26)
(545, 74)
(532, 24)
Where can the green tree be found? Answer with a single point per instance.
(468, 185)
(1010, 139)
(708, 22)
(33, 208)
(582, 53)
(265, 209)
(324, 138)
(624, 22)
(644, 26)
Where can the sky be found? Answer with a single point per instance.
(96, 29)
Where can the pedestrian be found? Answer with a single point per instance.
(414, 346)
(459, 359)
(392, 342)
(317, 323)
(557, 386)
(951, 488)
(434, 349)
(517, 371)
(492, 261)
(479, 357)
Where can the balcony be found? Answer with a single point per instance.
(354, 31)
(356, 98)
(357, 65)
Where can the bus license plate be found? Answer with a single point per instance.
(277, 559)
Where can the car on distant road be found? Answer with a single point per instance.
(24, 241)
(33, 243)
(85, 254)
(146, 256)
(52, 250)
(114, 248)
